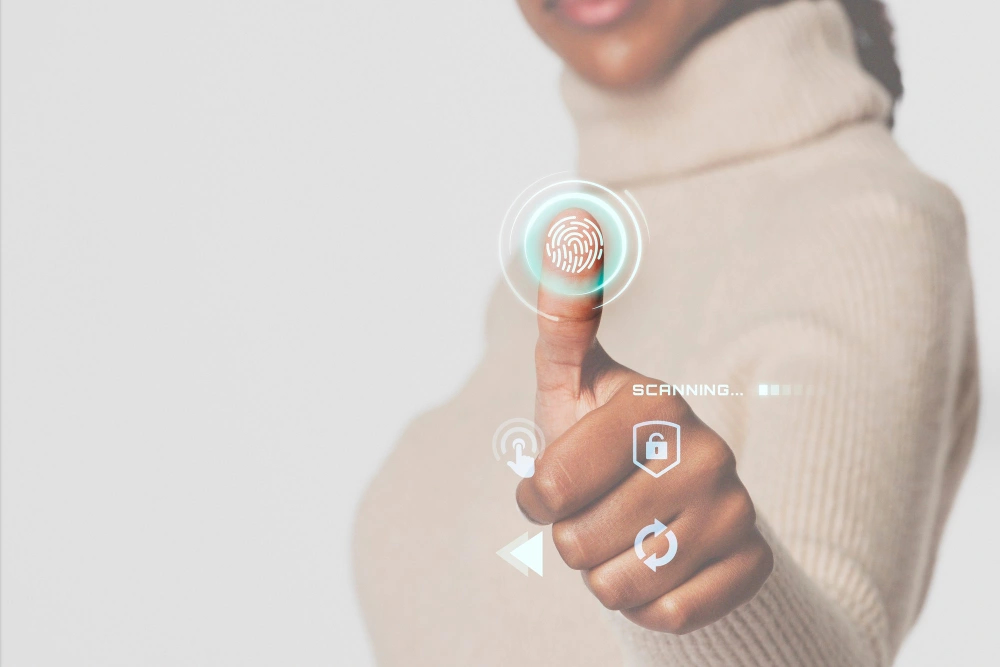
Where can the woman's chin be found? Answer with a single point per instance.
(619, 65)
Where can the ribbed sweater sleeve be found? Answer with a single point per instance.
(853, 477)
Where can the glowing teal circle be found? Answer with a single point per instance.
(605, 214)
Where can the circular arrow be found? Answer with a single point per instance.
(656, 528)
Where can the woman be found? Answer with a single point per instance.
(791, 244)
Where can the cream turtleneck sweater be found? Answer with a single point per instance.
(791, 243)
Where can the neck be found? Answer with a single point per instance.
(760, 82)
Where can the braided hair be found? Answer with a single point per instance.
(873, 35)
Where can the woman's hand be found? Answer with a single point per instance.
(587, 485)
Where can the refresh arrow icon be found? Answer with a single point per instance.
(656, 528)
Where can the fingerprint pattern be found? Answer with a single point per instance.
(573, 245)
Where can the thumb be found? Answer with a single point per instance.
(569, 305)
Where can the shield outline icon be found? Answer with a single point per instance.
(635, 445)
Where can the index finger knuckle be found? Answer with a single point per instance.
(571, 545)
(553, 488)
(609, 589)
(718, 461)
(675, 615)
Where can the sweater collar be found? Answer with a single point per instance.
(775, 78)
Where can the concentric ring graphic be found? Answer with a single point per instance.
(518, 431)
(614, 230)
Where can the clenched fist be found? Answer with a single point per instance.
(598, 501)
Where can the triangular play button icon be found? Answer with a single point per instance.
(524, 553)
(505, 553)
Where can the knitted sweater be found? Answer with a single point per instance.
(793, 245)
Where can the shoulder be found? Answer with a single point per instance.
(853, 235)
(853, 200)
(858, 181)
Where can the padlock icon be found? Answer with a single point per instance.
(663, 445)
(656, 449)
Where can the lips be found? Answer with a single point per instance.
(592, 13)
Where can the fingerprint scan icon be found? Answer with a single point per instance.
(571, 225)
(574, 244)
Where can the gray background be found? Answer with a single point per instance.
(210, 341)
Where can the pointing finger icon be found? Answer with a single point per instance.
(523, 466)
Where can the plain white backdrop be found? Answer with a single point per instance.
(244, 243)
